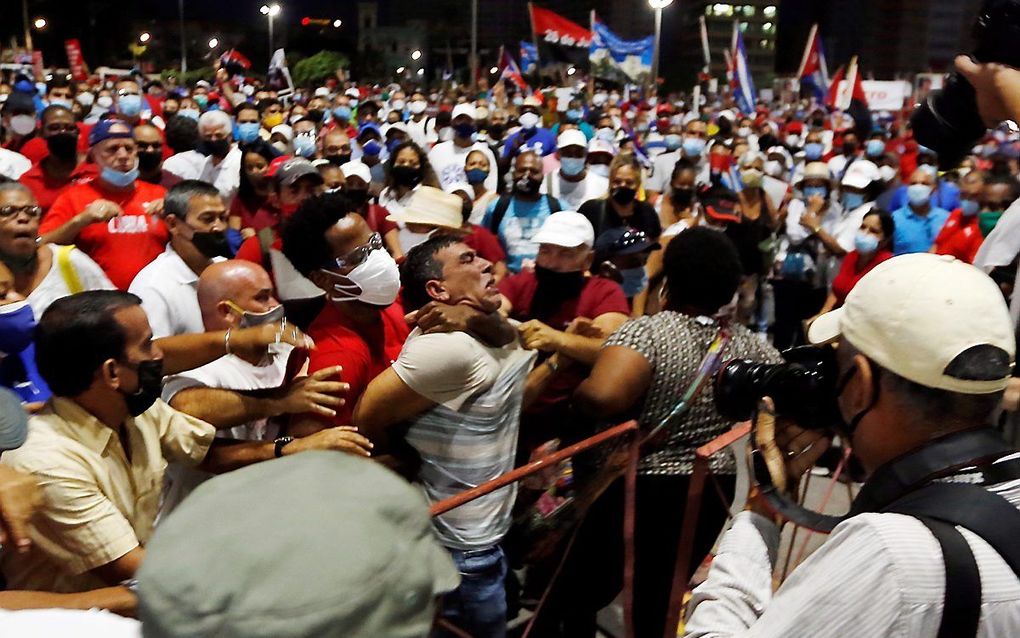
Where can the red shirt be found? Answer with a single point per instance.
(46, 189)
(251, 249)
(598, 297)
(849, 274)
(485, 244)
(122, 246)
(960, 237)
(363, 352)
(376, 219)
(255, 218)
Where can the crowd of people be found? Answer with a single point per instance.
(199, 280)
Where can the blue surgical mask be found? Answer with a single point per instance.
(572, 166)
(694, 146)
(201, 99)
(247, 132)
(673, 141)
(304, 145)
(189, 113)
(811, 191)
(969, 208)
(129, 105)
(865, 243)
(17, 327)
(813, 151)
(342, 112)
(602, 170)
(372, 147)
(918, 194)
(574, 115)
(875, 148)
(476, 176)
(853, 201)
(118, 179)
(634, 280)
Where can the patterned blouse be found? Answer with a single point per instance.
(675, 344)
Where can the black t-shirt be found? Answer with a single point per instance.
(603, 216)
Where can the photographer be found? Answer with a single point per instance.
(925, 348)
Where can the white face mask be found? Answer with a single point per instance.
(377, 278)
(774, 168)
(887, 173)
(85, 99)
(104, 101)
(22, 124)
(528, 120)
(418, 107)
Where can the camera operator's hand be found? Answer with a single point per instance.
(789, 450)
(997, 87)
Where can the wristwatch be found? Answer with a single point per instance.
(280, 443)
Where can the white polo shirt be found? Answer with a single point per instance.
(225, 176)
(169, 292)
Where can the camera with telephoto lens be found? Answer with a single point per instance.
(803, 388)
(948, 121)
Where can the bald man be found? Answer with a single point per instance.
(249, 398)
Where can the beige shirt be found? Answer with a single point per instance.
(98, 504)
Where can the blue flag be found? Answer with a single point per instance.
(623, 60)
(529, 57)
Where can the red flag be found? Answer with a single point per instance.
(830, 99)
(554, 28)
(75, 61)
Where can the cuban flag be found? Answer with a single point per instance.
(508, 70)
(740, 73)
(813, 73)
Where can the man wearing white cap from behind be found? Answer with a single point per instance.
(925, 349)
(448, 158)
(573, 182)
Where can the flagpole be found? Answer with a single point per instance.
(704, 46)
(474, 44)
(534, 41)
(591, 69)
(807, 50)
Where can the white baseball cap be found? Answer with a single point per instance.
(915, 314)
(463, 109)
(285, 130)
(432, 207)
(572, 137)
(460, 187)
(358, 169)
(599, 145)
(566, 228)
(322, 91)
(860, 174)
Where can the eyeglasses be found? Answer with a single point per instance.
(33, 212)
(358, 256)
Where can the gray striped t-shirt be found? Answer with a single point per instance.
(470, 436)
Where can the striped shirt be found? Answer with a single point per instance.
(876, 575)
(470, 437)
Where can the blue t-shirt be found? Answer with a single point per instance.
(946, 195)
(916, 233)
(539, 140)
(520, 223)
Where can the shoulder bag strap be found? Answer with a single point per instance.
(961, 608)
(498, 213)
(67, 270)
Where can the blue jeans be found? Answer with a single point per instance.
(478, 605)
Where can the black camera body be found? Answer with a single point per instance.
(803, 388)
(948, 121)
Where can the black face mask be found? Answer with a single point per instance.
(682, 197)
(216, 148)
(358, 196)
(623, 195)
(63, 146)
(767, 141)
(527, 186)
(316, 114)
(212, 244)
(406, 176)
(849, 148)
(496, 131)
(148, 161)
(464, 130)
(150, 385)
(338, 160)
(554, 288)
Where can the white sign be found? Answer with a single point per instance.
(883, 95)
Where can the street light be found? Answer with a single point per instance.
(658, 6)
(40, 23)
(421, 72)
(144, 37)
(213, 43)
(337, 23)
(270, 11)
(401, 69)
(571, 71)
(494, 70)
(416, 55)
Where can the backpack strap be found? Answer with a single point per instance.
(265, 236)
(498, 213)
(554, 204)
(67, 271)
(947, 505)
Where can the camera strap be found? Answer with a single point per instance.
(706, 371)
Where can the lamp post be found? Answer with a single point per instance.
(474, 44)
(658, 5)
(270, 11)
(184, 50)
(28, 31)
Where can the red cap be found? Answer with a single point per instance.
(795, 128)
(276, 163)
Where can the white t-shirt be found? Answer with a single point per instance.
(448, 159)
(225, 176)
(575, 193)
(168, 289)
(54, 285)
(662, 171)
(13, 165)
(418, 131)
(231, 373)
(52, 623)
